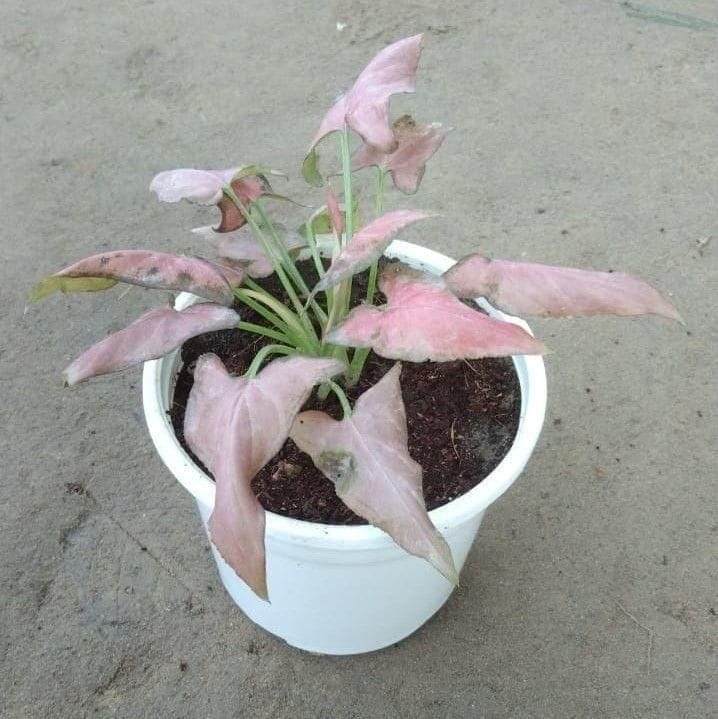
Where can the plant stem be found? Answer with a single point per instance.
(379, 199)
(378, 208)
(312, 242)
(341, 396)
(343, 291)
(289, 265)
(359, 358)
(260, 309)
(276, 262)
(263, 354)
(264, 331)
(294, 273)
(347, 177)
(287, 322)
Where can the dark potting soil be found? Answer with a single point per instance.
(462, 418)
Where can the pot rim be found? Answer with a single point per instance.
(158, 376)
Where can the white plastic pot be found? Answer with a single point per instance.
(349, 589)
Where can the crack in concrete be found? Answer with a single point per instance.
(137, 542)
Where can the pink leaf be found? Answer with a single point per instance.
(333, 121)
(525, 288)
(424, 321)
(247, 189)
(154, 334)
(335, 214)
(392, 71)
(407, 163)
(159, 270)
(205, 187)
(200, 186)
(244, 248)
(235, 426)
(365, 108)
(367, 246)
(367, 458)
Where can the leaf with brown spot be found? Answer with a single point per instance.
(367, 458)
(154, 270)
(407, 163)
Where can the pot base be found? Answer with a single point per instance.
(398, 593)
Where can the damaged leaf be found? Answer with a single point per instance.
(206, 187)
(415, 144)
(154, 270)
(365, 108)
(392, 71)
(367, 458)
(247, 189)
(47, 285)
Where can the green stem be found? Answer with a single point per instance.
(260, 309)
(347, 176)
(264, 331)
(357, 365)
(312, 242)
(263, 354)
(360, 355)
(276, 263)
(344, 288)
(289, 265)
(280, 316)
(379, 199)
(378, 208)
(341, 396)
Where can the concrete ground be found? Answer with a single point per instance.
(585, 134)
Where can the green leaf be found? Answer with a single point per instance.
(48, 285)
(320, 224)
(311, 171)
(256, 170)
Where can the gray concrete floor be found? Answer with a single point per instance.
(584, 135)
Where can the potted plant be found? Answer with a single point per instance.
(333, 589)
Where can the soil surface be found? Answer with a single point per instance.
(462, 417)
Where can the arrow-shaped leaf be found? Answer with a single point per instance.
(235, 426)
(155, 270)
(367, 458)
(365, 108)
(422, 320)
(525, 288)
(151, 336)
(367, 246)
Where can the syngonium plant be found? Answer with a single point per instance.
(235, 425)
